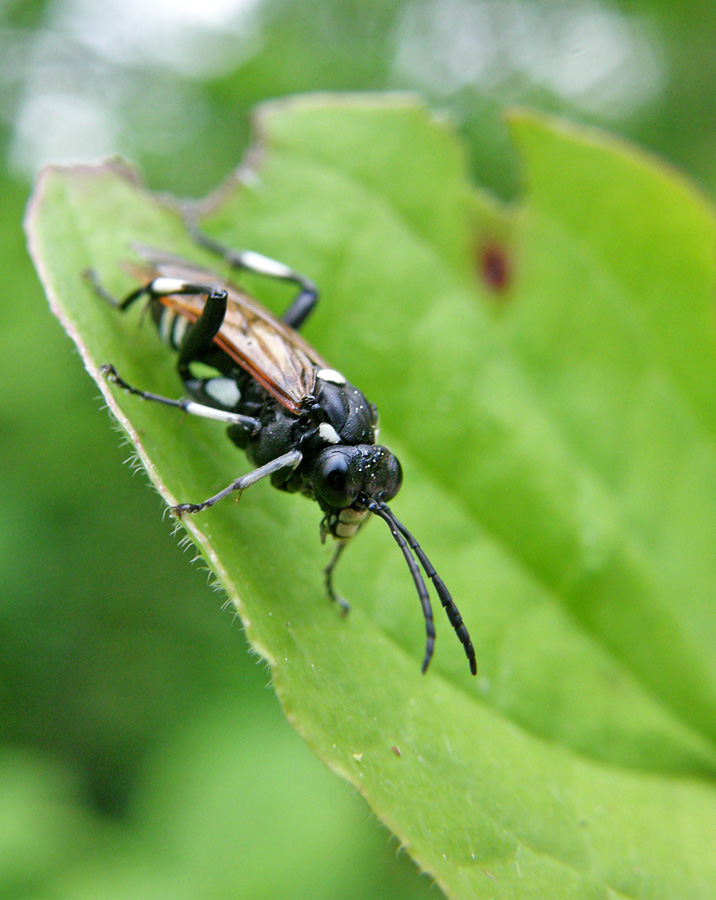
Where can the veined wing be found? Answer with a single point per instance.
(275, 355)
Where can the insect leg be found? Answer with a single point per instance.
(212, 315)
(328, 579)
(286, 461)
(199, 337)
(301, 306)
(303, 303)
(102, 292)
(188, 406)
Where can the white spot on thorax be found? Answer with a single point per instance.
(328, 433)
(331, 375)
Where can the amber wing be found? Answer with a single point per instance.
(275, 355)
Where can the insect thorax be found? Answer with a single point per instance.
(336, 415)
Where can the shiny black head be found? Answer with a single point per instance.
(345, 477)
(349, 482)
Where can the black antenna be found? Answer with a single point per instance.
(381, 510)
(407, 542)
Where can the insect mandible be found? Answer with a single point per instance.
(299, 421)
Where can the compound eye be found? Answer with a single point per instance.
(393, 478)
(334, 482)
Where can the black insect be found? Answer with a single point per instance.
(298, 420)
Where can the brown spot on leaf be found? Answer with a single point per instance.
(494, 266)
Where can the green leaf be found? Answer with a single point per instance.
(546, 377)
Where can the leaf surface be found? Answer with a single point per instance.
(546, 376)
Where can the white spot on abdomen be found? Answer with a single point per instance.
(179, 330)
(166, 324)
(224, 390)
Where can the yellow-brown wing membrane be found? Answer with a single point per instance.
(273, 354)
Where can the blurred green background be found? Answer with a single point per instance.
(142, 752)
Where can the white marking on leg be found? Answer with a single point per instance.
(164, 286)
(208, 412)
(264, 265)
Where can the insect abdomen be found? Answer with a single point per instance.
(171, 325)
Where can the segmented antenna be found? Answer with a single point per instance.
(407, 542)
(381, 510)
